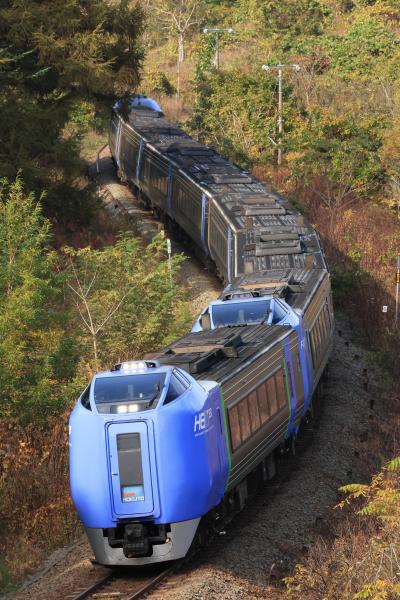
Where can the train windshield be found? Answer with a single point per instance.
(240, 313)
(128, 393)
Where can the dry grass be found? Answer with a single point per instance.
(362, 562)
(37, 514)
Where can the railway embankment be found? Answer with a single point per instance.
(291, 515)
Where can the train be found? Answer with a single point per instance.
(166, 449)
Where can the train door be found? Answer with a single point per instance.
(293, 392)
(229, 255)
(306, 363)
(130, 469)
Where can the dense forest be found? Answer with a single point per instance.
(63, 310)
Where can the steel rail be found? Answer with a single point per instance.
(144, 589)
(150, 586)
(94, 587)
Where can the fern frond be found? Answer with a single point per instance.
(355, 489)
(394, 464)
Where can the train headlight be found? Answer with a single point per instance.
(136, 365)
(127, 408)
(133, 365)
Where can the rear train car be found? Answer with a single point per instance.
(241, 224)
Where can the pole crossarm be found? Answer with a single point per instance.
(280, 68)
(295, 67)
(216, 31)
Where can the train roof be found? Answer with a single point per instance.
(296, 286)
(277, 236)
(219, 354)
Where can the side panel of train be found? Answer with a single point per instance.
(130, 149)
(319, 324)
(169, 190)
(153, 177)
(264, 403)
(221, 242)
(189, 209)
(267, 401)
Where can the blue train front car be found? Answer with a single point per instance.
(143, 462)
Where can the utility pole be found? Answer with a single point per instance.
(217, 31)
(169, 252)
(280, 69)
(397, 289)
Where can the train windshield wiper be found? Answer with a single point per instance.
(153, 398)
(266, 317)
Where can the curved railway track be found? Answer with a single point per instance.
(122, 585)
(118, 584)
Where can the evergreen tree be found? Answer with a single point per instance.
(36, 357)
(53, 54)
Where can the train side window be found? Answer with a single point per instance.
(324, 326)
(327, 319)
(328, 312)
(298, 363)
(281, 388)
(272, 395)
(315, 346)
(298, 377)
(311, 342)
(290, 384)
(322, 331)
(175, 389)
(325, 312)
(146, 169)
(253, 409)
(316, 340)
(244, 419)
(85, 398)
(263, 405)
(179, 199)
(236, 438)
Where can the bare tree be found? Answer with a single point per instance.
(178, 17)
(394, 186)
(83, 297)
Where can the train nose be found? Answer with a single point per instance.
(131, 469)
